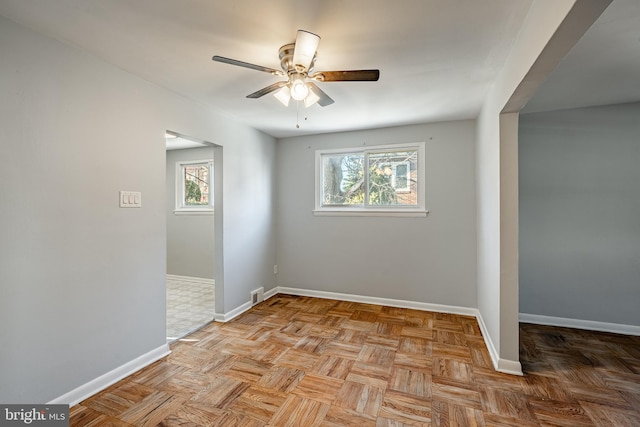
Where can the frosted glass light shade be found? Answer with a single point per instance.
(299, 89)
(311, 99)
(305, 49)
(283, 95)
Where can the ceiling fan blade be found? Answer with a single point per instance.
(247, 65)
(305, 49)
(324, 98)
(267, 90)
(347, 76)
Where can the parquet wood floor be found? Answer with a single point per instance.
(298, 361)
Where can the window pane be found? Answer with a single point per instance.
(401, 177)
(343, 179)
(196, 185)
(393, 178)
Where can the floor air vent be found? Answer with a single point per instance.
(257, 296)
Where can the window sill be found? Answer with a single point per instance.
(193, 212)
(371, 212)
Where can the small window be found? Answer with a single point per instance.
(194, 187)
(377, 180)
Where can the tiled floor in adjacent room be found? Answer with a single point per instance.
(190, 305)
(304, 362)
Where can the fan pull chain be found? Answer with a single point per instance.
(297, 114)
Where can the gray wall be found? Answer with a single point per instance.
(579, 214)
(249, 218)
(190, 238)
(430, 259)
(82, 282)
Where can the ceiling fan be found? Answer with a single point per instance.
(297, 61)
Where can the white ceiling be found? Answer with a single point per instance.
(437, 58)
(179, 143)
(603, 67)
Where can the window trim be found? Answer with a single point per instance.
(418, 210)
(180, 208)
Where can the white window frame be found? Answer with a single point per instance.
(418, 210)
(181, 208)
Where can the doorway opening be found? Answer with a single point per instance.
(190, 234)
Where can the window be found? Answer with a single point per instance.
(382, 180)
(194, 187)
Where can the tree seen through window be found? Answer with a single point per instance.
(389, 178)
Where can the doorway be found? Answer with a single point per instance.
(190, 235)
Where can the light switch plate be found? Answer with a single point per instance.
(130, 199)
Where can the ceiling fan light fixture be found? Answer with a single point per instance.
(299, 89)
(305, 49)
(297, 61)
(283, 95)
(311, 99)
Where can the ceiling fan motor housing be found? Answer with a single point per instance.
(286, 61)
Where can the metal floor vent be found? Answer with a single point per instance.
(257, 296)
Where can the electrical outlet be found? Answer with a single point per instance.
(275, 269)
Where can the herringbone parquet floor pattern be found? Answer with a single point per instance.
(298, 361)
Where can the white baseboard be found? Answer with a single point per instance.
(493, 353)
(225, 317)
(505, 366)
(87, 390)
(511, 367)
(191, 279)
(270, 293)
(590, 325)
(465, 311)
